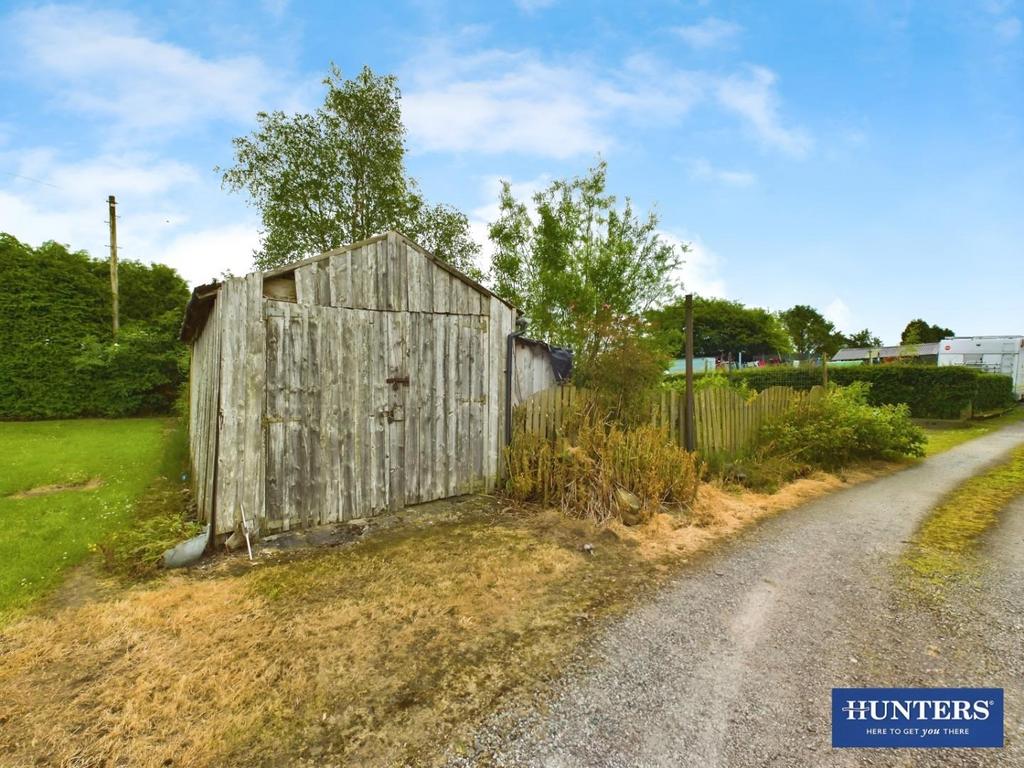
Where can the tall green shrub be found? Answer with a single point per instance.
(995, 392)
(57, 356)
(934, 392)
(929, 391)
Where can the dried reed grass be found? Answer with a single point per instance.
(598, 470)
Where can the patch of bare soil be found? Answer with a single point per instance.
(46, 490)
(381, 652)
(83, 584)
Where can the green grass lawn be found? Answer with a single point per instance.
(42, 535)
(940, 440)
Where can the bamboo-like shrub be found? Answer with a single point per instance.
(597, 469)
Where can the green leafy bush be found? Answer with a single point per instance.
(57, 357)
(841, 428)
(995, 392)
(625, 373)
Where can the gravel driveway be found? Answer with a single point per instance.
(732, 664)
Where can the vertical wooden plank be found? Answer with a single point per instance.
(461, 389)
(318, 470)
(396, 327)
(675, 433)
(414, 276)
(413, 400)
(339, 273)
(361, 268)
(380, 273)
(327, 421)
(442, 290)
(398, 258)
(352, 416)
(451, 391)
(361, 401)
(382, 467)
(424, 369)
(441, 452)
(478, 359)
(487, 468)
(305, 284)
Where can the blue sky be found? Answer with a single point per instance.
(863, 157)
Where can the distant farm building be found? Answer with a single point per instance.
(357, 382)
(925, 354)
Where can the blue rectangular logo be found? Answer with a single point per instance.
(917, 717)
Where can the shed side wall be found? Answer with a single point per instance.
(203, 412)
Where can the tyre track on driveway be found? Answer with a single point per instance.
(733, 662)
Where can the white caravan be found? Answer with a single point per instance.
(992, 354)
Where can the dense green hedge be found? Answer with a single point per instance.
(931, 392)
(995, 392)
(57, 357)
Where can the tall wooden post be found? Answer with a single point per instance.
(824, 369)
(115, 310)
(689, 432)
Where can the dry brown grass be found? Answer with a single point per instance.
(46, 490)
(382, 653)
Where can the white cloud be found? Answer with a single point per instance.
(699, 272)
(101, 63)
(839, 314)
(703, 170)
(494, 101)
(709, 33)
(754, 98)
(1008, 29)
(204, 255)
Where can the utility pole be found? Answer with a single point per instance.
(112, 206)
(689, 433)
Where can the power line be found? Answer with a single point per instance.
(29, 178)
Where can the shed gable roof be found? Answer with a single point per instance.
(203, 297)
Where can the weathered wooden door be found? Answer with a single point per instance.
(446, 431)
(368, 411)
(334, 420)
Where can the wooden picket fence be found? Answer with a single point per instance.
(726, 422)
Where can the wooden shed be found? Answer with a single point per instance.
(357, 382)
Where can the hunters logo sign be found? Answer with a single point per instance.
(917, 717)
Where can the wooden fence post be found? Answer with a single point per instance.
(689, 436)
(824, 370)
